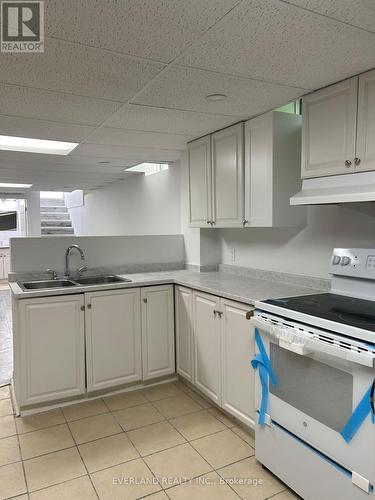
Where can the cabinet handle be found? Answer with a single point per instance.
(145, 300)
(250, 314)
(348, 163)
(357, 161)
(219, 313)
(88, 306)
(82, 308)
(208, 222)
(215, 312)
(245, 221)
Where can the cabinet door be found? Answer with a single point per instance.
(158, 353)
(237, 352)
(366, 122)
(329, 130)
(2, 267)
(52, 348)
(199, 153)
(6, 265)
(227, 177)
(207, 345)
(184, 331)
(113, 338)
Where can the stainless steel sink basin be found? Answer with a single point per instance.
(101, 280)
(42, 284)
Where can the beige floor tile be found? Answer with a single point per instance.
(44, 441)
(222, 417)
(12, 481)
(222, 448)
(6, 407)
(155, 438)
(179, 463)
(286, 495)
(208, 487)
(157, 496)
(162, 391)
(7, 426)
(90, 428)
(196, 425)
(39, 421)
(53, 468)
(176, 406)
(107, 452)
(125, 400)
(182, 386)
(138, 416)
(85, 409)
(126, 481)
(261, 483)
(246, 436)
(9, 450)
(4, 392)
(201, 401)
(77, 489)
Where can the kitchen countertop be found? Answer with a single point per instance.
(223, 284)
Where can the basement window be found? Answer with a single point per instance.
(148, 168)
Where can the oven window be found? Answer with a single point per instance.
(321, 391)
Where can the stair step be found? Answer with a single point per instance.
(60, 209)
(54, 202)
(54, 216)
(57, 230)
(55, 223)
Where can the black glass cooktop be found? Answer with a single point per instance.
(339, 308)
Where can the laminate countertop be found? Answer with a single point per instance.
(223, 284)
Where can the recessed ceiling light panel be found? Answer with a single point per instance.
(216, 97)
(148, 168)
(14, 185)
(42, 146)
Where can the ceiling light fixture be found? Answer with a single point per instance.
(216, 97)
(104, 162)
(13, 185)
(43, 146)
(148, 168)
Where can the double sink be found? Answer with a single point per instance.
(65, 282)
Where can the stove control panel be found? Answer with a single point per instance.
(354, 262)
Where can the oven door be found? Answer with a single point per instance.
(315, 395)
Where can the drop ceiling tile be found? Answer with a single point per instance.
(41, 129)
(53, 106)
(138, 139)
(79, 70)
(360, 13)
(172, 121)
(186, 88)
(126, 153)
(274, 41)
(155, 29)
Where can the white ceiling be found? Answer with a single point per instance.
(128, 79)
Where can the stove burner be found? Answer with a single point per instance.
(356, 319)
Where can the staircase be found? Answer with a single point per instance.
(54, 217)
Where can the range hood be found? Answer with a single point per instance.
(346, 188)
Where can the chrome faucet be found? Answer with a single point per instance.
(67, 253)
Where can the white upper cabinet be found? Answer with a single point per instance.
(329, 130)
(272, 170)
(227, 177)
(365, 155)
(113, 338)
(199, 154)
(158, 351)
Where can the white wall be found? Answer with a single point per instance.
(137, 205)
(38, 254)
(306, 250)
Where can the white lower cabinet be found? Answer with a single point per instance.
(113, 338)
(184, 331)
(237, 352)
(207, 345)
(223, 346)
(50, 342)
(158, 351)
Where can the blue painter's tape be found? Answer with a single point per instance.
(359, 415)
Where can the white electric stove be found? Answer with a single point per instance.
(321, 350)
